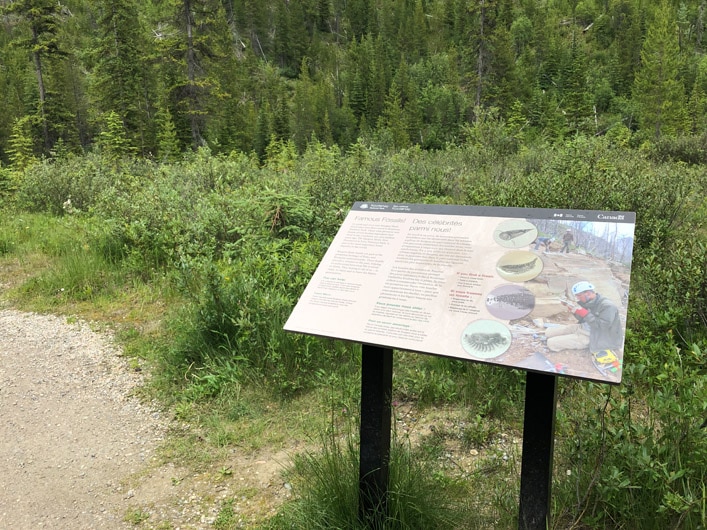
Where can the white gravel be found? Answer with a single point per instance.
(71, 434)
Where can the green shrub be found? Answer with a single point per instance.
(672, 282)
(241, 308)
(637, 454)
(47, 186)
(689, 149)
(164, 221)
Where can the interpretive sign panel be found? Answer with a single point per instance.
(538, 289)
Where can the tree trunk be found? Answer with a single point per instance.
(192, 66)
(42, 91)
(482, 49)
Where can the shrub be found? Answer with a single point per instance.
(689, 149)
(46, 186)
(241, 308)
(637, 454)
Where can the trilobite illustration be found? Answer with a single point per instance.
(519, 300)
(512, 234)
(484, 342)
(518, 268)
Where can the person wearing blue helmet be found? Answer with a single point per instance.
(598, 326)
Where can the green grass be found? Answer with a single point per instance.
(136, 516)
(326, 488)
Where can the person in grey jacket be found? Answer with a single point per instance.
(567, 239)
(598, 324)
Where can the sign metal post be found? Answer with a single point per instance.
(376, 390)
(538, 442)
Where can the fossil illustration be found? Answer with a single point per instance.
(519, 300)
(484, 342)
(512, 234)
(518, 268)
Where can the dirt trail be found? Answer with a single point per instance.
(78, 451)
(70, 433)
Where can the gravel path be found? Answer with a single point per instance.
(71, 435)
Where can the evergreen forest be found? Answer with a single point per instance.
(174, 171)
(160, 77)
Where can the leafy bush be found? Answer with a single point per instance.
(240, 311)
(46, 186)
(673, 285)
(637, 454)
(174, 215)
(689, 149)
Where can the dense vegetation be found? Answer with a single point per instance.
(160, 77)
(179, 168)
(229, 244)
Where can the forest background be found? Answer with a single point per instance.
(232, 75)
(178, 168)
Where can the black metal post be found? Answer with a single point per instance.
(538, 442)
(376, 391)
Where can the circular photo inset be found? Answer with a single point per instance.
(486, 339)
(515, 233)
(519, 266)
(510, 301)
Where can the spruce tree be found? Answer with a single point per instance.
(627, 28)
(42, 19)
(657, 90)
(120, 72)
(392, 121)
(21, 149)
(698, 99)
(113, 140)
(167, 141)
(191, 47)
(576, 100)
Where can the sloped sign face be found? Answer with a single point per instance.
(537, 289)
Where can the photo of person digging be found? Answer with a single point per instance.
(598, 328)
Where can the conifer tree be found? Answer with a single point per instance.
(113, 140)
(191, 47)
(359, 14)
(575, 96)
(263, 128)
(167, 141)
(358, 96)
(494, 65)
(41, 16)
(305, 114)
(627, 28)
(13, 61)
(657, 90)
(392, 120)
(380, 77)
(21, 148)
(120, 72)
(291, 38)
(698, 99)
(323, 16)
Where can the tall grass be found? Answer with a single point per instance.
(326, 489)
